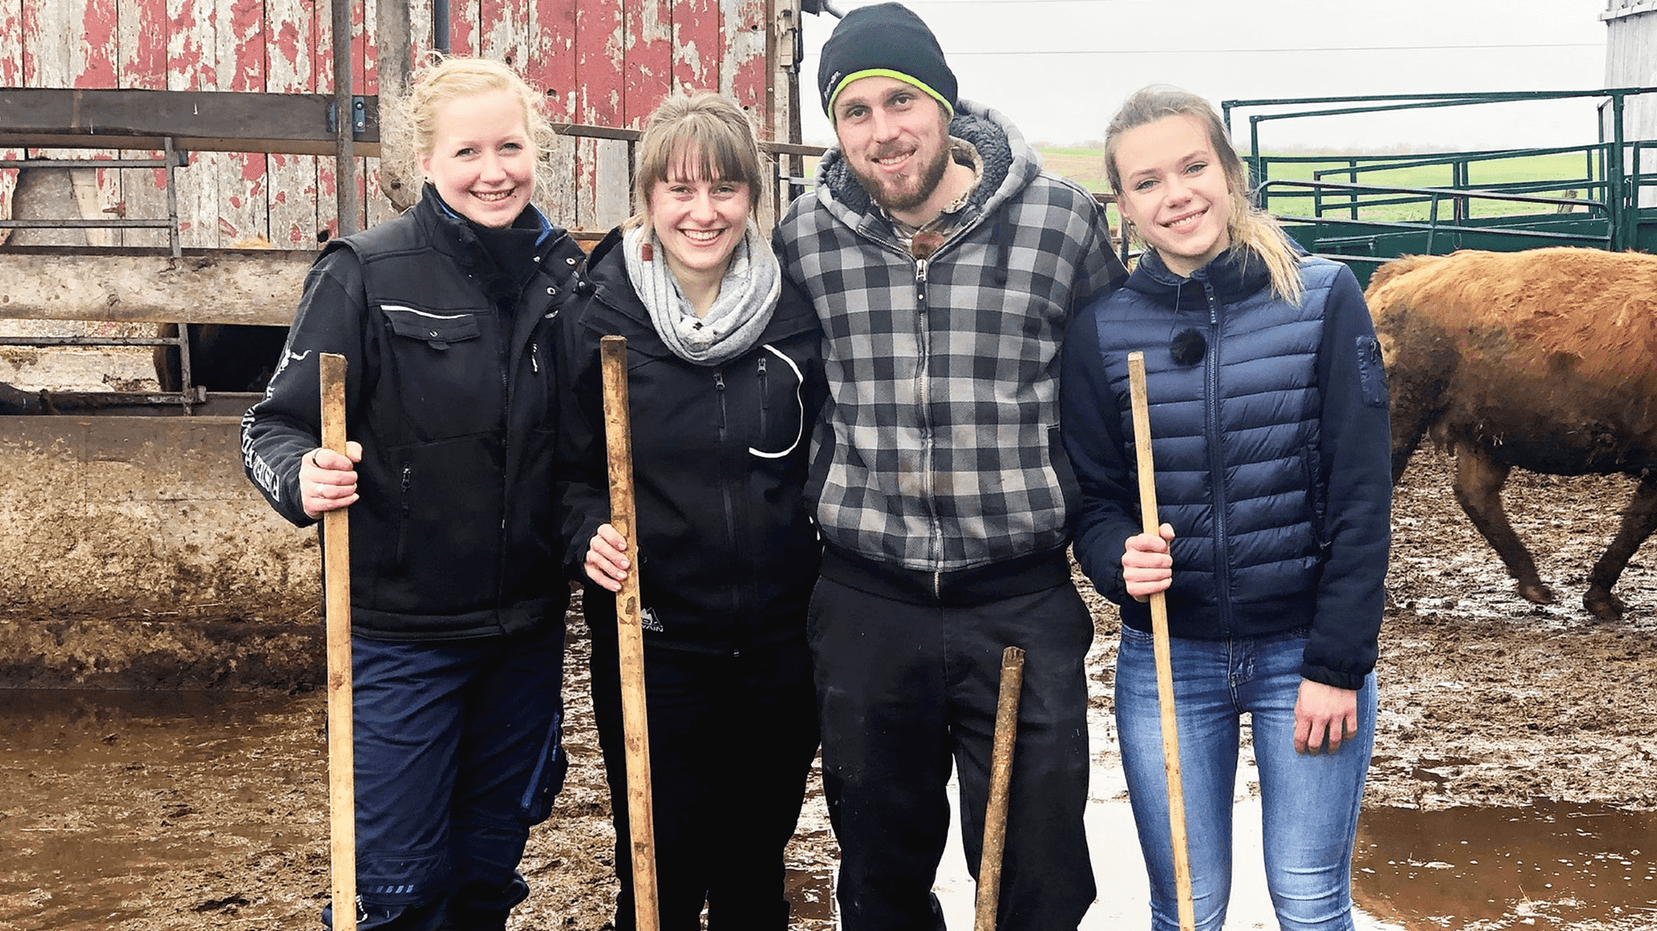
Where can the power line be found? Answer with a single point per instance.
(1259, 51)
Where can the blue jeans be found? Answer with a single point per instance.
(1309, 801)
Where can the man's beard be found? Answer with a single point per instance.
(896, 200)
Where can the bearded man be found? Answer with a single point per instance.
(944, 265)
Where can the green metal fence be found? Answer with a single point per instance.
(1346, 209)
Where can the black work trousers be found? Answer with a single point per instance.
(903, 689)
(732, 738)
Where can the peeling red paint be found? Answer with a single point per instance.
(603, 62)
(697, 46)
(143, 53)
(463, 27)
(98, 45)
(11, 48)
(550, 58)
(649, 58)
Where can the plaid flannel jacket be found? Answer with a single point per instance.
(939, 450)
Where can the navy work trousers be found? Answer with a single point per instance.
(905, 688)
(458, 754)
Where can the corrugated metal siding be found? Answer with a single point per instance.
(601, 62)
(1631, 61)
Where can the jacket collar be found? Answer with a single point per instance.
(453, 234)
(1232, 275)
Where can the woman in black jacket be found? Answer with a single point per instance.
(725, 382)
(444, 317)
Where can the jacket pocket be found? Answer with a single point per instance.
(1316, 503)
(781, 405)
(1372, 373)
(438, 330)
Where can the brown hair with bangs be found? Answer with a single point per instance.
(704, 136)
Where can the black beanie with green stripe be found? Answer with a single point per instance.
(888, 40)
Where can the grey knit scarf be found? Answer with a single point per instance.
(747, 296)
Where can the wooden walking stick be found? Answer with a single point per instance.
(618, 438)
(1159, 638)
(336, 574)
(1001, 777)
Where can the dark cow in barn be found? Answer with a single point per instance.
(1544, 360)
(223, 357)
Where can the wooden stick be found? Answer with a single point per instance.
(1159, 638)
(618, 438)
(1001, 777)
(336, 574)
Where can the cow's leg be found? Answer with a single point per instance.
(1478, 485)
(1638, 522)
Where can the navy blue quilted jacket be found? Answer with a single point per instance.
(1271, 455)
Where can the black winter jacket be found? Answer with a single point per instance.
(451, 395)
(1271, 453)
(727, 553)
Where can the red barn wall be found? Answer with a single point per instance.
(600, 62)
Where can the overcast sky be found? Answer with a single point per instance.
(1059, 68)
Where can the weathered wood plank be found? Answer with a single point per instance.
(649, 59)
(463, 27)
(503, 31)
(549, 67)
(91, 113)
(600, 38)
(290, 34)
(11, 75)
(192, 65)
(743, 73)
(142, 65)
(244, 215)
(698, 48)
(222, 287)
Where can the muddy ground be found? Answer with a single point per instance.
(180, 811)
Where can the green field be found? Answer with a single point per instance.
(1086, 167)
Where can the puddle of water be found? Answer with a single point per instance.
(1507, 867)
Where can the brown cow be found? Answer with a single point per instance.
(1545, 360)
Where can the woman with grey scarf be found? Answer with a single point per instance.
(725, 383)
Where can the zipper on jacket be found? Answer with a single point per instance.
(924, 362)
(725, 485)
(402, 531)
(1216, 460)
(534, 357)
(764, 399)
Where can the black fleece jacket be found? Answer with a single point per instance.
(727, 553)
(450, 390)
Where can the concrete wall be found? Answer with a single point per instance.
(136, 555)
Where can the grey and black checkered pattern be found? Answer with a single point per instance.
(942, 426)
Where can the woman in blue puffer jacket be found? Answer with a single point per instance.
(1268, 408)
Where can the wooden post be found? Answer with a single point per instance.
(336, 573)
(630, 635)
(1159, 639)
(1001, 777)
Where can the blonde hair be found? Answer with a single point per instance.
(409, 121)
(703, 134)
(1247, 226)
